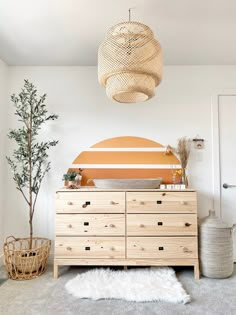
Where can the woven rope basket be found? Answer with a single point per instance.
(130, 63)
(216, 247)
(23, 263)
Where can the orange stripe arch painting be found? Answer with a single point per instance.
(127, 142)
(126, 157)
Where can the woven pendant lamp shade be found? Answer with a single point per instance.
(130, 63)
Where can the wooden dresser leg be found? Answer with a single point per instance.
(196, 271)
(125, 268)
(55, 271)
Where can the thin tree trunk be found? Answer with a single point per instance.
(31, 233)
(30, 179)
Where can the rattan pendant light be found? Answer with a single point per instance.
(130, 63)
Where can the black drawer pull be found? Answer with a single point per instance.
(86, 223)
(87, 203)
(159, 223)
(161, 248)
(87, 248)
(159, 202)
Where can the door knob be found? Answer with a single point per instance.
(225, 185)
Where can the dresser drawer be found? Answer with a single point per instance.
(93, 247)
(161, 224)
(90, 224)
(162, 247)
(90, 202)
(162, 202)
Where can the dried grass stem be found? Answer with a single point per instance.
(183, 151)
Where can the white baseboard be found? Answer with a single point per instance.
(51, 256)
(1, 259)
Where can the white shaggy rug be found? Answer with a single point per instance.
(140, 285)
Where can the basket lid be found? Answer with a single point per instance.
(212, 221)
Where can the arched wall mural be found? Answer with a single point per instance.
(126, 157)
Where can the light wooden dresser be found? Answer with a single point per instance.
(126, 228)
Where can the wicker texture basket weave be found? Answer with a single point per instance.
(216, 247)
(130, 63)
(23, 263)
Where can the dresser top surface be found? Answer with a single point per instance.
(94, 189)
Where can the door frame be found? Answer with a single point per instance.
(216, 162)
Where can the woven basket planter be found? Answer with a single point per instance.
(23, 263)
(216, 247)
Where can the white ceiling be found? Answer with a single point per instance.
(68, 32)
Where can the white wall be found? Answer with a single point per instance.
(3, 118)
(182, 107)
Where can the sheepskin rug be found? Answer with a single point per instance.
(140, 285)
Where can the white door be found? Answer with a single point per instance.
(227, 147)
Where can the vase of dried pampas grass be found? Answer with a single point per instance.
(184, 177)
(183, 151)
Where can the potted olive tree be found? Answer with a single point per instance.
(26, 258)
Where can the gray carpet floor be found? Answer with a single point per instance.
(48, 296)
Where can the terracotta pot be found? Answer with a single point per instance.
(71, 182)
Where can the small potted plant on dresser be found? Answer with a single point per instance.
(73, 179)
(26, 258)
